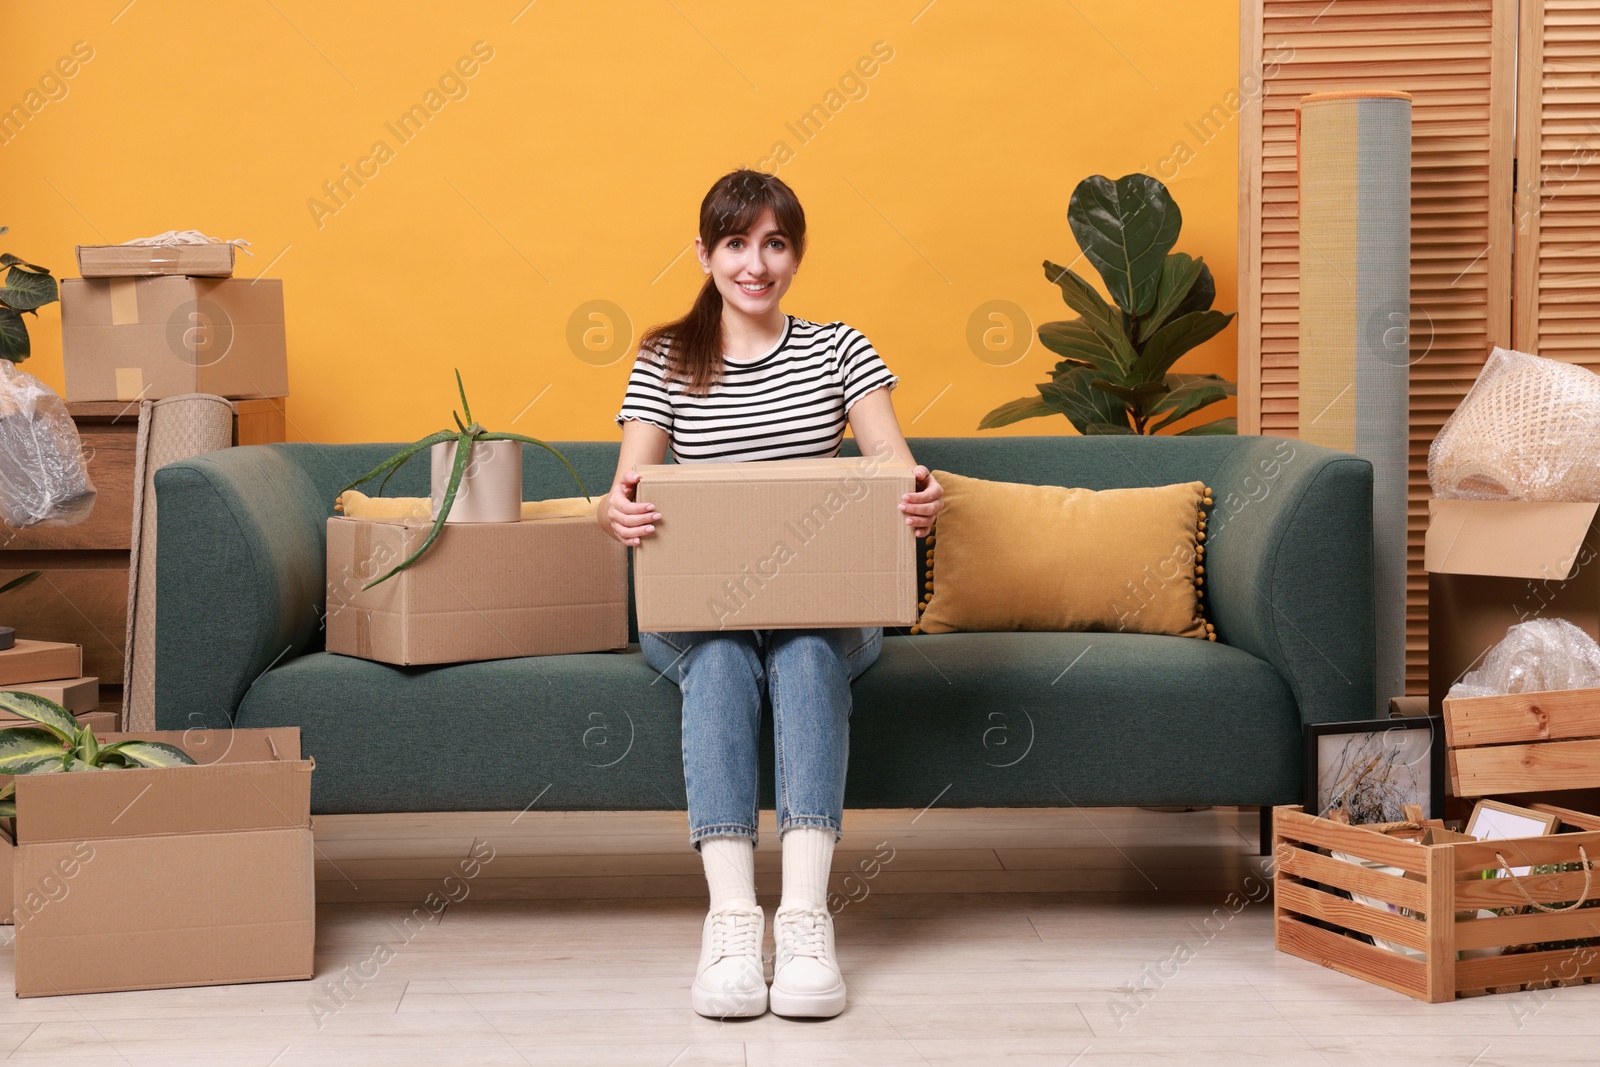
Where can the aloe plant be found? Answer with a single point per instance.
(59, 744)
(1115, 374)
(28, 287)
(466, 434)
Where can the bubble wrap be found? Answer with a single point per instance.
(43, 477)
(1535, 657)
(1529, 429)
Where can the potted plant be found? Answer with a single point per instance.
(27, 288)
(59, 744)
(1115, 374)
(466, 442)
(8, 634)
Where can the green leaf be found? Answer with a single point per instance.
(1170, 342)
(21, 749)
(1073, 394)
(1107, 429)
(9, 260)
(1190, 393)
(88, 746)
(1098, 315)
(397, 460)
(20, 581)
(1029, 407)
(1126, 228)
(463, 391)
(149, 754)
(463, 452)
(25, 290)
(13, 336)
(502, 436)
(8, 808)
(1179, 274)
(1134, 396)
(1212, 429)
(1081, 345)
(47, 713)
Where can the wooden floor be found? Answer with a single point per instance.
(1039, 937)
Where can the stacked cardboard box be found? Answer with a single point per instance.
(53, 670)
(145, 323)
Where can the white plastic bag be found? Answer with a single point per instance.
(1535, 657)
(1529, 429)
(43, 477)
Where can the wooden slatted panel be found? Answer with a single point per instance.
(1456, 58)
(1558, 182)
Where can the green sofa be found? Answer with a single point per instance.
(967, 720)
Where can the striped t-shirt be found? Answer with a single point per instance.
(788, 404)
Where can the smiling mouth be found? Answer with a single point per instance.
(747, 287)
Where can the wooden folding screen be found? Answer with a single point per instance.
(1456, 58)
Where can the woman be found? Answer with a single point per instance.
(737, 379)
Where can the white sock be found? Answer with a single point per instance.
(807, 859)
(730, 869)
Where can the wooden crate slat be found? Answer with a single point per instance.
(1441, 925)
(1529, 968)
(1527, 929)
(1293, 823)
(1472, 856)
(1389, 888)
(1314, 903)
(1352, 957)
(1503, 893)
(1530, 768)
(1521, 717)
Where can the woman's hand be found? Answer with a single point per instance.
(625, 519)
(922, 506)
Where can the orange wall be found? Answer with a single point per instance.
(569, 168)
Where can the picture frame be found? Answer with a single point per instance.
(1495, 820)
(1374, 767)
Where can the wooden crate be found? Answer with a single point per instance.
(1446, 921)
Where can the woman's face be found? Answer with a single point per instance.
(752, 269)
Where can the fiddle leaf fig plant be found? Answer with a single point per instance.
(27, 288)
(59, 744)
(465, 435)
(1115, 374)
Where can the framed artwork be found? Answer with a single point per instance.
(1493, 820)
(1373, 768)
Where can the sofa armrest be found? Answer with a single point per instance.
(240, 558)
(1289, 569)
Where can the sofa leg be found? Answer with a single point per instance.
(1266, 830)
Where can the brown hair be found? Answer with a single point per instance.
(693, 343)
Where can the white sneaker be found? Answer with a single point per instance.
(729, 980)
(805, 975)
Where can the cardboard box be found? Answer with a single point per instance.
(40, 661)
(74, 694)
(99, 721)
(1492, 564)
(129, 261)
(182, 876)
(493, 590)
(146, 338)
(779, 544)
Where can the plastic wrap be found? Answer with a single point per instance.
(1529, 429)
(43, 477)
(1535, 657)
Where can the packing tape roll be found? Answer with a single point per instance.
(130, 383)
(124, 303)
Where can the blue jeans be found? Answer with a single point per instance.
(722, 675)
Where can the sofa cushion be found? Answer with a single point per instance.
(1017, 719)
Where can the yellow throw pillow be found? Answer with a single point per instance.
(1006, 556)
(357, 505)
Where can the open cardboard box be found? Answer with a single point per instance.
(776, 544)
(1492, 564)
(157, 878)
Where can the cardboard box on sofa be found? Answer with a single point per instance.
(131, 261)
(179, 876)
(1492, 564)
(147, 338)
(74, 694)
(40, 661)
(489, 590)
(776, 544)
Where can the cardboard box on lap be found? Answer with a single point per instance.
(1492, 564)
(490, 590)
(780, 544)
(178, 876)
(148, 338)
